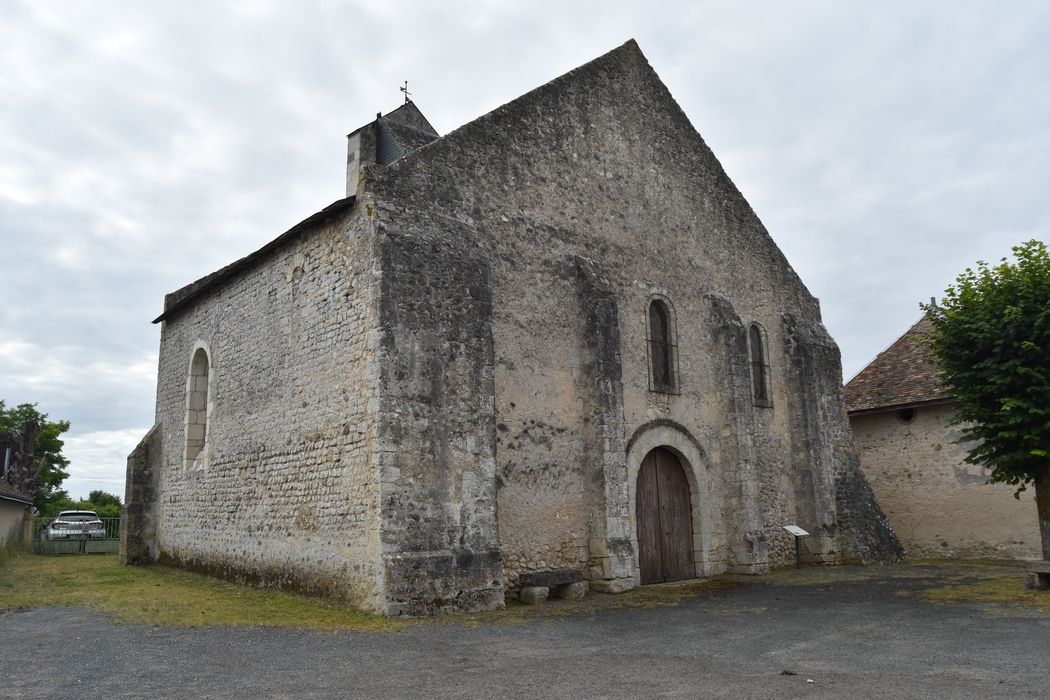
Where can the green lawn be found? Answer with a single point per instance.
(161, 595)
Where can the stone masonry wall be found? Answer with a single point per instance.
(138, 527)
(845, 521)
(283, 492)
(434, 407)
(939, 505)
(601, 164)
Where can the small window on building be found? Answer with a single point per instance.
(906, 415)
(663, 352)
(197, 406)
(759, 366)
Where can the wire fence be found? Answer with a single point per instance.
(88, 538)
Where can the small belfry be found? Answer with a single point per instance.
(513, 361)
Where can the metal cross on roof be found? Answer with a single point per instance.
(404, 89)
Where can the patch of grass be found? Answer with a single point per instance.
(1007, 591)
(964, 563)
(160, 595)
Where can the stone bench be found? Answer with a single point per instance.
(536, 586)
(1038, 578)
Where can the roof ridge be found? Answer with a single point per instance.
(886, 349)
(407, 125)
(905, 373)
(628, 46)
(177, 300)
(394, 117)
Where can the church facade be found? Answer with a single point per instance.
(557, 338)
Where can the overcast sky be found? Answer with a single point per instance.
(886, 146)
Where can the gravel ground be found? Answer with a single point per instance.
(843, 637)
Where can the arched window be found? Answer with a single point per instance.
(197, 406)
(759, 366)
(663, 360)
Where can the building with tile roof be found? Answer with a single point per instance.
(938, 505)
(902, 376)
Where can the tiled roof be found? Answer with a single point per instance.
(10, 493)
(902, 375)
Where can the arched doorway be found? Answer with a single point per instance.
(663, 512)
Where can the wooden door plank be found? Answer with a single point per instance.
(676, 519)
(650, 555)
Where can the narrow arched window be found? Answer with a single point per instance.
(759, 366)
(197, 405)
(662, 350)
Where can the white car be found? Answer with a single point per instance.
(75, 525)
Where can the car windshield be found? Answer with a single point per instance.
(77, 517)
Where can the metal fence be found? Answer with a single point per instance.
(45, 542)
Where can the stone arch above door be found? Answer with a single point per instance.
(708, 532)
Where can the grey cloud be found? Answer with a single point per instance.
(885, 147)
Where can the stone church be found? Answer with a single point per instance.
(554, 339)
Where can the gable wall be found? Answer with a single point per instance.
(286, 493)
(603, 165)
(939, 505)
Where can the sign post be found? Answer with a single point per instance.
(798, 533)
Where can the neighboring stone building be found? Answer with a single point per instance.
(938, 505)
(14, 509)
(555, 338)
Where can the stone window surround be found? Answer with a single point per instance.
(766, 402)
(197, 428)
(672, 331)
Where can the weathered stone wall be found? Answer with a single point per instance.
(138, 527)
(448, 387)
(284, 491)
(845, 521)
(939, 505)
(436, 423)
(602, 165)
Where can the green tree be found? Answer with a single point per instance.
(48, 450)
(105, 504)
(991, 336)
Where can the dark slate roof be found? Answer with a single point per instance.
(181, 298)
(409, 115)
(407, 135)
(10, 493)
(905, 374)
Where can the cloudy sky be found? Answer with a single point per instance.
(886, 146)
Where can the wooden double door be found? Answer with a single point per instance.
(665, 520)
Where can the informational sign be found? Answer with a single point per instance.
(795, 530)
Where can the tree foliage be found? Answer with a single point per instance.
(106, 505)
(48, 450)
(991, 336)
